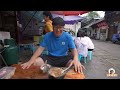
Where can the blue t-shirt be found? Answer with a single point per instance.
(58, 46)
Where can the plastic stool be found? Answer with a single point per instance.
(31, 46)
(80, 58)
(28, 46)
(45, 51)
(90, 55)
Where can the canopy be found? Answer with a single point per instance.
(67, 13)
(71, 22)
(69, 19)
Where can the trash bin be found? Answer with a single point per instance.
(10, 42)
(11, 55)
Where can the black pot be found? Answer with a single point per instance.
(52, 77)
(60, 77)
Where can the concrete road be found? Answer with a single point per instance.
(106, 55)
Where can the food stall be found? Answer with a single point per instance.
(34, 72)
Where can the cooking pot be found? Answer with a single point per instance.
(58, 72)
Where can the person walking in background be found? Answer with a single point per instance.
(48, 22)
(48, 26)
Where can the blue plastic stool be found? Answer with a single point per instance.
(90, 55)
(28, 46)
(80, 58)
(45, 52)
(32, 48)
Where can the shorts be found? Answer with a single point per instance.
(56, 61)
(90, 49)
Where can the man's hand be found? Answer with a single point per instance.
(78, 66)
(26, 65)
(33, 58)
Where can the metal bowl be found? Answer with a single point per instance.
(52, 73)
(45, 68)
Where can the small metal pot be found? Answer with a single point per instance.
(52, 77)
(45, 68)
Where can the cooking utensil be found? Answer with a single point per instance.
(67, 69)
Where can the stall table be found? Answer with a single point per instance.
(34, 72)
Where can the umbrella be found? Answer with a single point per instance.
(68, 18)
(67, 13)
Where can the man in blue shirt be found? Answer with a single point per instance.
(57, 43)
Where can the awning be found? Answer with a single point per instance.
(38, 14)
(93, 23)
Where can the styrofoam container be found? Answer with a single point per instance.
(7, 72)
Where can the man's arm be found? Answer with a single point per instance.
(37, 54)
(75, 54)
(76, 63)
(33, 58)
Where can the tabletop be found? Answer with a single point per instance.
(34, 72)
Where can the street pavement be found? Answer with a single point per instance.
(106, 55)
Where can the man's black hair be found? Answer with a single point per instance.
(48, 13)
(58, 21)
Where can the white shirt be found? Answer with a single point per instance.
(87, 44)
(81, 47)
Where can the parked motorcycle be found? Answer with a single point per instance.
(116, 38)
